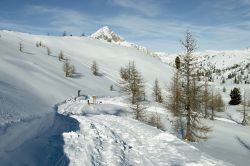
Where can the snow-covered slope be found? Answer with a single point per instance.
(106, 34)
(107, 137)
(219, 66)
(32, 82)
(40, 75)
(218, 59)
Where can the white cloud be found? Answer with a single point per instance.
(12, 25)
(146, 7)
(138, 28)
(66, 19)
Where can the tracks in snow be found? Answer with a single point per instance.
(108, 140)
(96, 142)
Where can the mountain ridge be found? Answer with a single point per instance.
(108, 35)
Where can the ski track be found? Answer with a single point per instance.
(105, 146)
(109, 140)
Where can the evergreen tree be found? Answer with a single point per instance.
(94, 68)
(68, 69)
(139, 110)
(174, 103)
(124, 73)
(111, 87)
(216, 104)
(190, 92)
(206, 98)
(235, 97)
(21, 47)
(236, 81)
(132, 83)
(175, 96)
(177, 62)
(157, 94)
(223, 80)
(219, 103)
(155, 120)
(244, 104)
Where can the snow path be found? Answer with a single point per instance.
(106, 139)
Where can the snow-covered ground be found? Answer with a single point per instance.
(32, 83)
(108, 137)
(228, 141)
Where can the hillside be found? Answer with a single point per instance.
(35, 70)
(39, 115)
(32, 82)
(220, 67)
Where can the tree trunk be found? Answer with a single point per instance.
(189, 130)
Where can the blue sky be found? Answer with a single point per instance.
(156, 24)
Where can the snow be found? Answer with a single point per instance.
(32, 82)
(107, 35)
(108, 138)
(228, 142)
(37, 75)
(225, 120)
(218, 59)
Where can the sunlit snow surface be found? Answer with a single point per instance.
(108, 137)
(32, 83)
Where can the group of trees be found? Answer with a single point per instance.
(132, 84)
(236, 99)
(190, 100)
(157, 92)
(186, 94)
(39, 44)
(66, 34)
(68, 68)
(20, 47)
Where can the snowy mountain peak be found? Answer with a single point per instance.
(105, 28)
(105, 33)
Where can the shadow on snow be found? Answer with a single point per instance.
(46, 148)
(243, 143)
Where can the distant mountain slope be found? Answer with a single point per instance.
(221, 65)
(218, 59)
